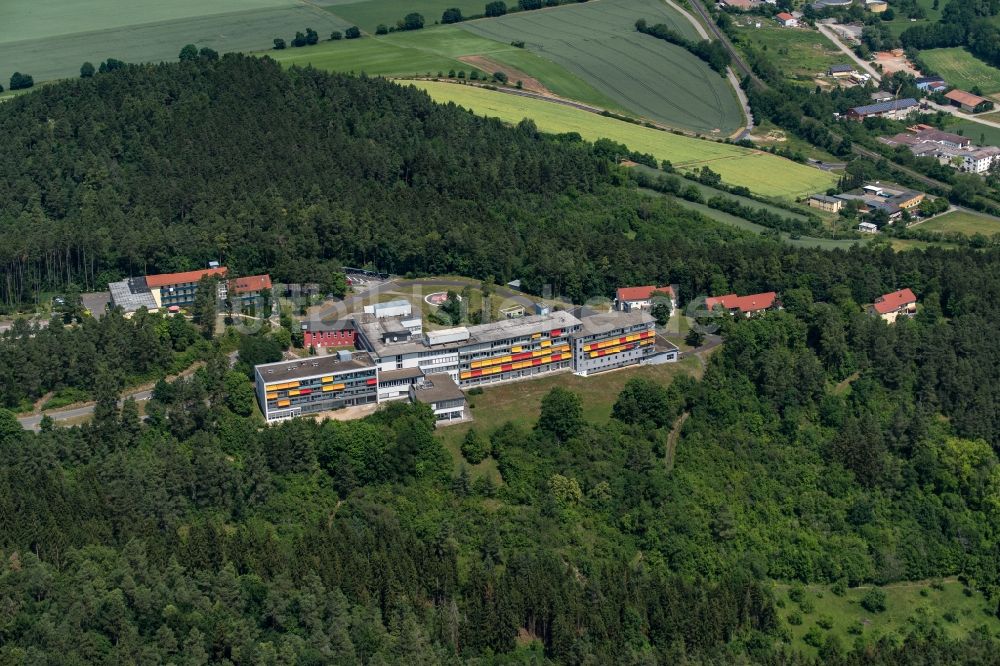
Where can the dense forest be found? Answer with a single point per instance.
(820, 445)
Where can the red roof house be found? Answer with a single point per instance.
(746, 305)
(889, 306)
(638, 298)
(187, 277)
(786, 19)
(251, 284)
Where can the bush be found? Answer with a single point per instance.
(518, 43)
(824, 621)
(807, 606)
(796, 592)
(475, 447)
(86, 70)
(874, 600)
(412, 21)
(856, 628)
(382, 29)
(353, 32)
(475, 390)
(336, 35)
(474, 75)
(452, 15)
(795, 618)
(500, 76)
(279, 43)
(813, 637)
(839, 588)
(19, 81)
(496, 8)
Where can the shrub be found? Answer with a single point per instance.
(874, 600)
(382, 29)
(796, 592)
(19, 81)
(500, 76)
(856, 628)
(353, 32)
(452, 15)
(496, 8)
(807, 606)
(825, 621)
(336, 35)
(86, 70)
(813, 637)
(475, 447)
(517, 43)
(839, 588)
(795, 618)
(279, 43)
(412, 21)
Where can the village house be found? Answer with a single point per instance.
(931, 83)
(744, 305)
(825, 203)
(628, 299)
(786, 20)
(890, 306)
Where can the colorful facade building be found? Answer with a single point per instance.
(606, 342)
(287, 389)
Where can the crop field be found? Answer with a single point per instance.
(433, 50)
(962, 222)
(761, 172)
(980, 134)
(50, 40)
(367, 14)
(799, 53)
(598, 42)
(962, 69)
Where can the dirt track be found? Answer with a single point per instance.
(513, 75)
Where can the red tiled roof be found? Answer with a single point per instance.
(164, 279)
(640, 293)
(963, 97)
(250, 284)
(785, 16)
(751, 303)
(892, 302)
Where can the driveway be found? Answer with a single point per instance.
(827, 32)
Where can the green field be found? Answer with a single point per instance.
(49, 40)
(980, 134)
(962, 222)
(369, 13)
(434, 50)
(761, 172)
(598, 42)
(799, 53)
(962, 69)
(909, 606)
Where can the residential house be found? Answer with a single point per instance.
(867, 228)
(744, 305)
(890, 306)
(628, 299)
(249, 290)
(931, 83)
(786, 20)
(176, 290)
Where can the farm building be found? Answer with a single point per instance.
(823, 202)
(840, 71)
(628, 299)
(891, 306)
(965, 100)
(931, 83)
(867, 228)
(881, 96)
(786, 20)
(896, 110)
(744, 305)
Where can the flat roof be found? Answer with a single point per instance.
(882, 107)
(438, 388)
(608, 321)
(824, 198)
(521, 327)
(132, 294)
(402, 373)
(312, 366)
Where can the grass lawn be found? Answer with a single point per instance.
(982, 134)
(521, 401)
(598, 42)
(906, 608)
(800, 53)
(962, 69)
(760, 172)
(964, 222)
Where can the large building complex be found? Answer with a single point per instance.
(399, 360)
(315, 384)
(167, 290)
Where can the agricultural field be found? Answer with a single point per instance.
(801, 54)
(964, 222)
(441, 49)
(822, 613)
(980, 134)
(50, 40)
(962, 69)
(598, 42)
(368, 14)
(763, 173)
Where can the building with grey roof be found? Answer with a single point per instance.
(443, 395)
(132, 294)
(315, 384)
